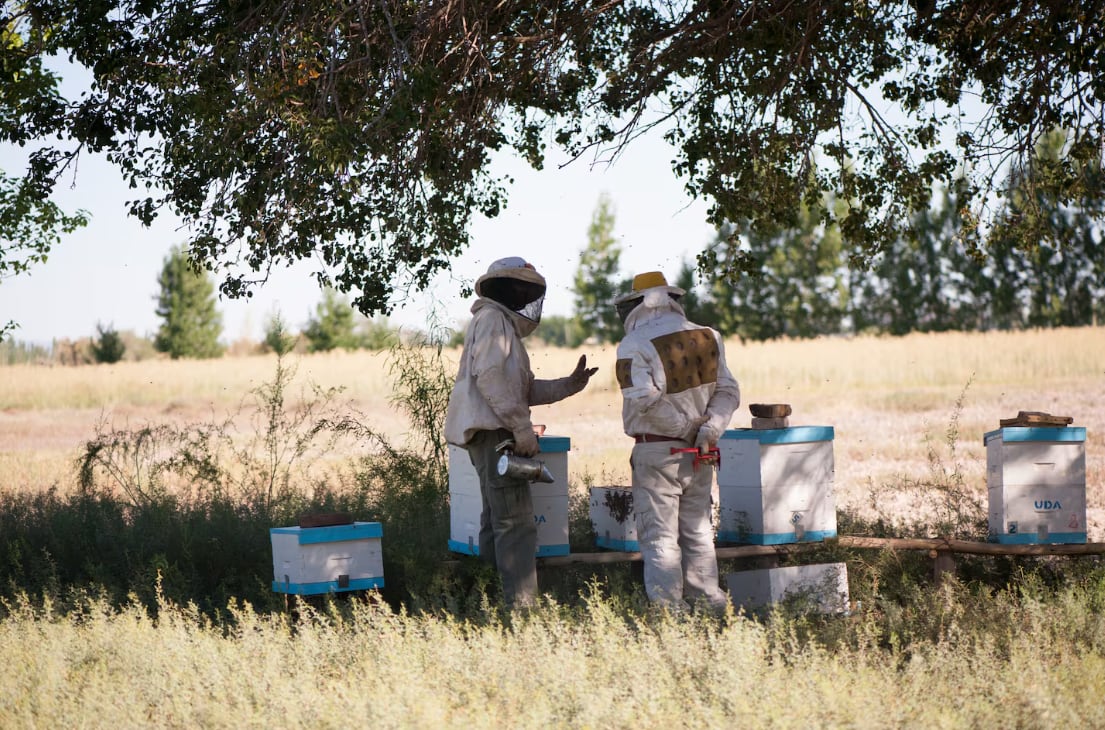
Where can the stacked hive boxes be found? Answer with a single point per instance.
(550, 500)
(775, 486)
(312, 560)
(1036, 481)
(613, 518)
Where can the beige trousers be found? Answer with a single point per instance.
(672, 502)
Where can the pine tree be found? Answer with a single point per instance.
(596, 281)
(332, 325)
(191, 324)
(277, 338)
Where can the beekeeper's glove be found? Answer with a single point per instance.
(542, 392)
(525, 442)
(706, 439)
(581, 375)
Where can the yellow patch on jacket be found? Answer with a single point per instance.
(690, 358)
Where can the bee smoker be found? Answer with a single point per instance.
(512, 465)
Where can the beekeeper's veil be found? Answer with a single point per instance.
(514, 283)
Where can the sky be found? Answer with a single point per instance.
(106, 273)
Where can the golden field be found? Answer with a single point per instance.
(891, 401)
(907, 413)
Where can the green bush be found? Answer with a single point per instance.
(277, 337)
(108, 347)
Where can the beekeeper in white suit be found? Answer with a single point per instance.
(678, 397)
(490, 403)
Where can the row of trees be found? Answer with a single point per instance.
(191, 325)
(929, 278)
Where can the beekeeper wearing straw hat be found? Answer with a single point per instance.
(490, 403)
(678, 397)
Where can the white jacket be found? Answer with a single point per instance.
(495, 386)
(673, 374)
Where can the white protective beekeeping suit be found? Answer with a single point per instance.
(490, 403)
(677, 392)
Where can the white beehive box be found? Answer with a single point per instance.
(824, 586)
(550, 500)
(311, 560)
(775, 486)
(1036, 483)
(613, 518)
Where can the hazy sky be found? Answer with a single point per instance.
(107, 272)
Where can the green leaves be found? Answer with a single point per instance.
(360, 133)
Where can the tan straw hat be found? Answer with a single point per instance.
(646, 281)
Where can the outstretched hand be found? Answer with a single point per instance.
(582, 374)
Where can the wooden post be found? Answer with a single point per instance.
(943, 565)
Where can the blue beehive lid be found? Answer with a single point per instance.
(1037, 433)
(554, 444)
(792, 435)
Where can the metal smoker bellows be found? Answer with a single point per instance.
(512, 465)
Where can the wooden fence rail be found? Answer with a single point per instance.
(941, 550)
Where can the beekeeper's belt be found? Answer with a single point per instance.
(647, 438)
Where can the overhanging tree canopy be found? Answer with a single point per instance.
(361, 131)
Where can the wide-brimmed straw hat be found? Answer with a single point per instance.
(645, 282)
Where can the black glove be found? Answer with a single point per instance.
(581, 375)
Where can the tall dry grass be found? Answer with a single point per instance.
(1015, 662)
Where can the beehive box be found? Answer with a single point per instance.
(550, 500)
(1036, 485)
(822, 588)
(613, 518)
(311, 560)
(775, 486)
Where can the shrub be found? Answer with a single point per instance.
(277, 337)
(108, 346)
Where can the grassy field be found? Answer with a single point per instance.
(905, 410)
(1017, 663)
(1016, 644)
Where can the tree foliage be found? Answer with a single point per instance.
(360, 134)
(926, 279)
(557, 331)
(108, 346)
(332, 325)
(277, 338)
(191, 324)
(596, 280)
(797, 287)
(30, 223)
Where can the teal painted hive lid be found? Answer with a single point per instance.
(1037, 433)
(554, 444)
(791, 435)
